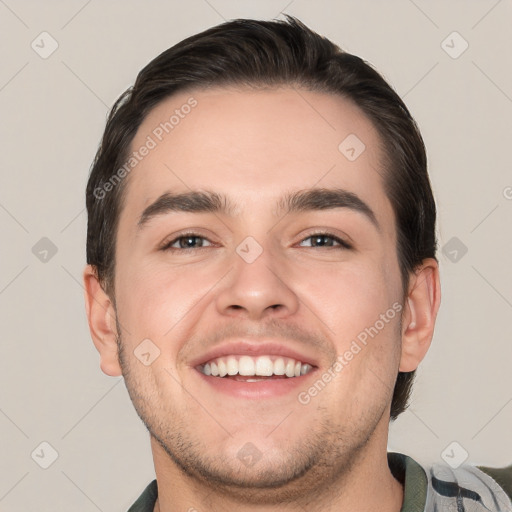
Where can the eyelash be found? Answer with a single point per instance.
(168, 245)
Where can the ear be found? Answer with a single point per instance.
(101, 316)
(420, 312)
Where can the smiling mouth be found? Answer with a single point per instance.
(254, 369)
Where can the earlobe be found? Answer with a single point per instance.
(420, 314)
(102, 322)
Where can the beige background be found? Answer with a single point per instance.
(53, 112)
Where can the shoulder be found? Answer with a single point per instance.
(146, 501)
(469, 485)
(502, 476)
(434, 486)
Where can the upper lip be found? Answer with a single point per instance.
(255, 349)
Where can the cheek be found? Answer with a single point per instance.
(359, 306)
(153, 300)
(348, 298)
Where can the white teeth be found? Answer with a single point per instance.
(262, 366)
(232, 366)
(290, 368)
(246, 366)
(279, 366)
(223, 371)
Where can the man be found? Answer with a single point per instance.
(262, 271)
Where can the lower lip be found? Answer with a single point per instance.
(268, 388)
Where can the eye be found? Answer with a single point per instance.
(189, 241)
(186, 241)
(326, 240)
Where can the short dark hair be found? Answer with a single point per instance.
(276, 53)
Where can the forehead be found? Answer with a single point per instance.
(254, 145)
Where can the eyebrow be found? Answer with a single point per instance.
(313, 199)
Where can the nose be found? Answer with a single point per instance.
(257, 290)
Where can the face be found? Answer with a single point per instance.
(245, 279)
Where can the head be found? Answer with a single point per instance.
(253, 115)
